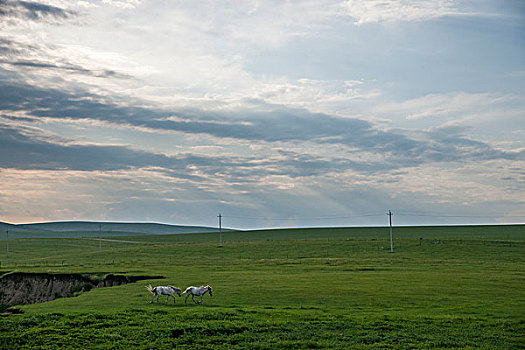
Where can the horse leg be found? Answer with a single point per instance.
(202, 298)
(193, 297)
(186, 300)
(168, 298)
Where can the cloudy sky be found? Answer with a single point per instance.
(272, 113)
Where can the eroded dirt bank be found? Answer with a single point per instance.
(30, 288)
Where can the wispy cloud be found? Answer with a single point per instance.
(448, 105)
(377, 11)
(67, 67)
(13, 11)
(126, 4)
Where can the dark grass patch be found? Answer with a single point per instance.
(6, 310)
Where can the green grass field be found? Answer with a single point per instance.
(334, 288)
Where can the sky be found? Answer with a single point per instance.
(271, 113)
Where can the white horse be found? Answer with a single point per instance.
(166, 290)
(198, 291)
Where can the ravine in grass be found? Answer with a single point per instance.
(30, 288)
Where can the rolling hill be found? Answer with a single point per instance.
(91, 228)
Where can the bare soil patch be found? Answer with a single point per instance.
(30, 288)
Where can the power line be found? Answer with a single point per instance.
(460, 216)
(369, 215)
(302, 218)
(364, 215)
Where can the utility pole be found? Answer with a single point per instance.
(220, 229)
(7, 240)
(99, 237)
(391, 241)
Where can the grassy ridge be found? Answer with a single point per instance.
(305, 288)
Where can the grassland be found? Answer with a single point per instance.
(457, 288)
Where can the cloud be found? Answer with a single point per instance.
(378, 11)
(30, 150)
(262, 24)
(449, 104)
(125, 4)
(12, 11)
(275, 124)
(34, 56)
(453, 145)
(67, 67)
(491, 117)
(43, 62)
(301, 141)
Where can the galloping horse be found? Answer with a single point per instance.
(199, 291)
(166, 290)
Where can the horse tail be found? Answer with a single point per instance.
(150, 289)
(187, 289)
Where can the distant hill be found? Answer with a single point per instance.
(91, 228)
(19, 229)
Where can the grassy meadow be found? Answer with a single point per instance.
(335, 288)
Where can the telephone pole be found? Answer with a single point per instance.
(391, 241)
(7, 240)
(99, 237)
(220, 229)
